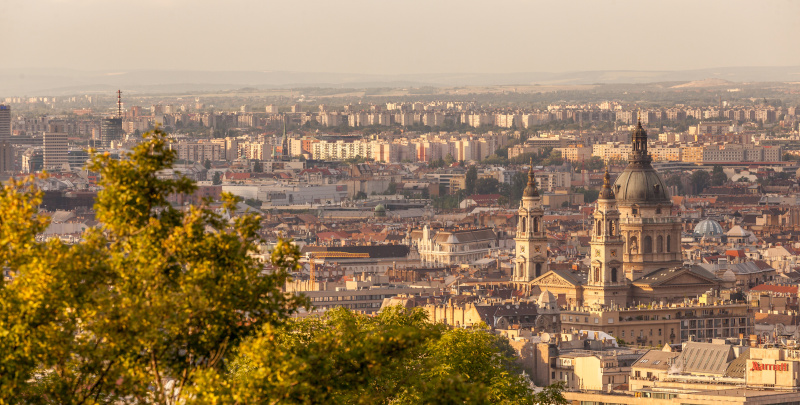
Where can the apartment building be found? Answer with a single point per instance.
(656, 325)
(200, 151)
(55, 150)
(576, 153)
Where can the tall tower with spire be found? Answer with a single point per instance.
(650, 231)
(607, 285)
(531, 240)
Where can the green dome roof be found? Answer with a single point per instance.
(380, 208)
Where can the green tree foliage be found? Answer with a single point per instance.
(360, 196)
(391, 189)
(790, 157)
(258, 167)
(471, 180)
(207, 164)
(255, 203)
(513, 191)
(495, 159)
(217, 180)
(449, 160)
(589, 195)
(718, 177)
(347, 358)
(700, 180)
(436, 163)
(487, 186)
(144, 303)
(676, 180)
(595, 163)
(553, 159)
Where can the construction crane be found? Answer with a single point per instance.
(330, 255)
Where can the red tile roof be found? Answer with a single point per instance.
(782, 289)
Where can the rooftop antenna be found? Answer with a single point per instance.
(119, 103)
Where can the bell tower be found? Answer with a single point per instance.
(607, 285)
(531, 240)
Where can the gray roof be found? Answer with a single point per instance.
(640, 185)
(474, 235)
(705, 358)
(738, 367)
(737, 268)
(656, 359)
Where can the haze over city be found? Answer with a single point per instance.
(407, 37)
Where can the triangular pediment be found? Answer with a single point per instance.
(552, 278)
(673, 277)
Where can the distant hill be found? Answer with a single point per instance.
(704, 83)
(32, 82)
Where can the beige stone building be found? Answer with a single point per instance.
(635, 247)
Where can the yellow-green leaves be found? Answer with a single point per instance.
(152, 299)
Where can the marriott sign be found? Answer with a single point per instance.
(774, 367)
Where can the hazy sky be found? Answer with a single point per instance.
(400, 36)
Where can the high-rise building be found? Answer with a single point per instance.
(6, 157)
(55, 150)
(110, 130)
(5, 123)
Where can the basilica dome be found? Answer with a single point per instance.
(639, 183)
(643, 185)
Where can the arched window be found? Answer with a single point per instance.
(597, 274)
(536, 224)
(523, 223)
(612, 228)
(538, 269)
(613, 274)
(599, 227)
(660, 244)
(647, 244)
(669, 247)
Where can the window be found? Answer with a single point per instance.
(596, 320)
(623, 333)
(669, 249)
(613, 274)
(647, 244)
(657, 362)
(660, 244)
(659, 332)
(524, 222)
